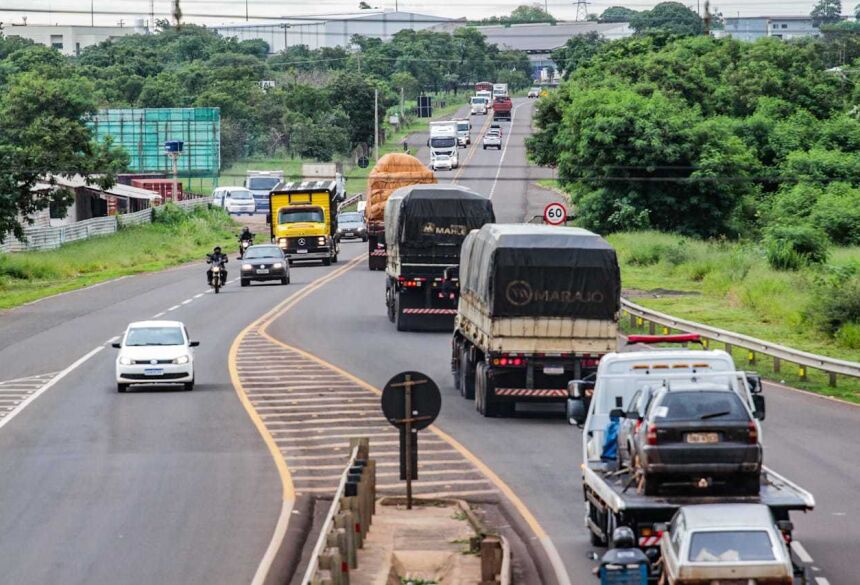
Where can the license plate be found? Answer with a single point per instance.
(553, 370)
(261, 271)
(701, 438)
(301, 251)
(153, 371)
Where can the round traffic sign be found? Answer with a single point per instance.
(363, 162)
(555, 214)
(426, 400)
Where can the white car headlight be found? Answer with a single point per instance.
(183, 359)
(321, 241)
(277, 265)
(125, 361)
(282, 242)
(247, 267)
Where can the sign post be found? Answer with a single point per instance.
(555, 214)
(411, 401)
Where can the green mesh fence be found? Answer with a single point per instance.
(143, 132)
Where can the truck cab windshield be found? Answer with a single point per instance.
(443, 142)
(287, 215)
(263, 183)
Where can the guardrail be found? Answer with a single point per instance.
(349, 201)
(804, 360)
(347, 521)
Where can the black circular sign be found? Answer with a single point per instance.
(363, 162)
(426, 400)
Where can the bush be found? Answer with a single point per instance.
(837, 212)
(790, 247)
(836, 307)
(849, 335)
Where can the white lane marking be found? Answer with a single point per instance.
(822, 581)
(186, 301)
(111, 340)
(68, 292)
(198, 295)
(277, 538)
(505, 149)
(173, 308)
(555, 561)
(17, 410)
(801, 553)
(157, 315)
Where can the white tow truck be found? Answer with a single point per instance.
(611, 495)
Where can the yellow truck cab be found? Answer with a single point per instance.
(304, 219)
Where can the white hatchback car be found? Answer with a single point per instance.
(234, 200)
(442, 161)
(726, 543)
(155, 352)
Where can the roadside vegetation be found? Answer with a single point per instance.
(175, 237)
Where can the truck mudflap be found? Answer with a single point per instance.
(377, 254)
(532, 392)
(421, 308)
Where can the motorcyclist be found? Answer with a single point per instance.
(216, 258)
(246, 236)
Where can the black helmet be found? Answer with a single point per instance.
(217, 248)
(623, 537)
(246, 229)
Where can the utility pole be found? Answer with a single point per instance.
(246, 10)
(582, 10)
(401, 105)
(707, 19)
(286, 27)
(376, 124)
(92, 14)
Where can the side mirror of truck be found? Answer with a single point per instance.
(754, 382)
(575, 411)
(617, 413)
(758, 406)
(268, 218)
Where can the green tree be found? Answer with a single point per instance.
(577, 50)
(826, 12)
(668, 17)
(617, 14)
(523, 14)
(43, 134)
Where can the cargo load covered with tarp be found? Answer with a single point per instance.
(393, 171)
(541, 271)
(428, 223)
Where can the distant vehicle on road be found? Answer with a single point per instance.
(304, 219)
(424, 228)
(261, 183)
(726, 543)
(483, 86)
(351, 225)
(394, 170)
(442, 162)
(464, 132)
(478, 106)
(500, 90)
(234, 200)
(502, 108)
(264, 262)
(492, 139)
(696, 430)
(534, 93)
(495, 128)
(155, 352)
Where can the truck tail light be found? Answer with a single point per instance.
(651, 435)
(752, 433)
(509, 361)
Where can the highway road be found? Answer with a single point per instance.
(538, 453)
(173, 487)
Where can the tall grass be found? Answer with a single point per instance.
(174, 238)
(733, 286)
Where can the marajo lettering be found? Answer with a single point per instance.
(567, 296)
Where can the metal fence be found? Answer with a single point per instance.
(639, 316)
(51, 238)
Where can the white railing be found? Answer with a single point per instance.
(780, 353)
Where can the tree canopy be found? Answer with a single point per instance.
(826, 12)
(523, 14)
(617, 14)
(667, 17)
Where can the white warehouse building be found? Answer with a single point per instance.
(334, 30)
(71, 39)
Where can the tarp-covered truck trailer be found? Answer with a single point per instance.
(538, 307)
(424, 228)
(394, 170)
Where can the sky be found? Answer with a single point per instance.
(110, 12)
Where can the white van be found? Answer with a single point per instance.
(234, 200)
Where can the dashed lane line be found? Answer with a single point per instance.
(505, 149)
(801, 552)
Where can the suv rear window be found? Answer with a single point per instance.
(701, 405)
(730, 546)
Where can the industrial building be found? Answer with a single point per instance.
(752, 28)
(335, 30)
(71, 40)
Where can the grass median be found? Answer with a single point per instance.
(731, 286)
(174, 238)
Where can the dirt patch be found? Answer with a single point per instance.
(657, 293)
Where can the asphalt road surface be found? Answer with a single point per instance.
(153, 486)
(808, 439)
(173, 487)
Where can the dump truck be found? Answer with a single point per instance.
(424, 228)
(394, 170)
(303, 219)
(503, 108)
(538, 307)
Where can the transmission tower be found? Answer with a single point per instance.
(582, 10)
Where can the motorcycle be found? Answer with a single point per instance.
(244, 245)
(218, 275)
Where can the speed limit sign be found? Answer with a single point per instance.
(555, 214)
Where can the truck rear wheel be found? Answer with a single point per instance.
(484, 402)
(456, 347)
(389, 303)
(399, 317)
(468, 375)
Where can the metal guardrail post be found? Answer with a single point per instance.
(344, 520)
